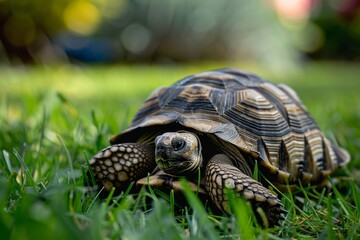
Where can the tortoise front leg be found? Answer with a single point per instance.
(221, 173)
(120, 164)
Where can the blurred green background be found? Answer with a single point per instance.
(275, 33)
(74, 72)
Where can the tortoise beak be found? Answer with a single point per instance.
(170, 165)
(167, 163)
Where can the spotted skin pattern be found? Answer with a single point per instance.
(120, 164)
(221, 174)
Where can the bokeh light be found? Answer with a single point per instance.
(82, 17)
(294, 9)
(136, 38)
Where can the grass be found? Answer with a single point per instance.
(52, 119)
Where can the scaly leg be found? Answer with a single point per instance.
(120, 164)
(221, 173)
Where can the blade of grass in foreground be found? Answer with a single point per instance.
(68, 156)
(26, 171)
(356, 196)
(200, 216)
(8, 168)
(330, 232)
(341, 200)
(243, 215)
(88, 171)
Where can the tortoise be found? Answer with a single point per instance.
(221, 124)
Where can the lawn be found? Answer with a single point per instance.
(52, 119)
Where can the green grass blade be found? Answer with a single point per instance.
(330, 232)
(8, 168)
(172, 202)
(356, 196)
(200, 224)
(310, 202)
(94, 200)
(341, 200)
(88, 171)
(27, 171)
(68, 156)
(256, 171)
(94, 119)
(151, 191)
(42, 133)
(243, 215)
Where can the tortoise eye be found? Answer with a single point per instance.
(178, 144)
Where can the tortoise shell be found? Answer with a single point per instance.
(242, 114)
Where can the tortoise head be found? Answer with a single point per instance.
(178, 153)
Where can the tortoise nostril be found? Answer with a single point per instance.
(160, 148)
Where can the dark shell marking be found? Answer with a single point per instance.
(260, 118)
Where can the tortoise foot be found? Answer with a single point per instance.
(120, 164)
(221, 174)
